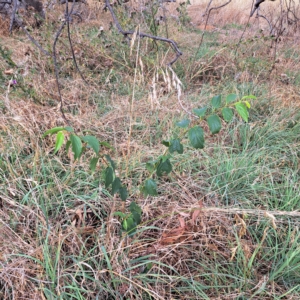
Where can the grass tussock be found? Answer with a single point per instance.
(225, 222)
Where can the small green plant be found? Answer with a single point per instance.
(184, 17)
(212, 115)
(80, 144)
(161, 166)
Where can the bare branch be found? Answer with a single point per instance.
(67, 19)
(256, 6)
(35, 42)
(71, 45)
(141, 34)
(206, 22)
(13, 15)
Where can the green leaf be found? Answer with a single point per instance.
(76, 145)
(129, 225)
(200, 112)
(150, 166)
(68, 144)
(242, 110)
(69, 129)
(214, 124)
(59, 141)
(231, 98)
(92, 142)
(247, 104)
(123, 193)
(119, 214)
(107, 145)
(166, 143)
(116, 185)
(112, 163)
(175, 145)
(150, 188)
(148, 268)
(164, 167)
(108, 176)
(137, 217)
(135, 207)
(227, 114)
(136, 212)
(183, 124)
(196, 137)
(53, 130)
(249, 97)
(93, 163)
(216, 101)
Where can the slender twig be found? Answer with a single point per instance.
(262, 16)
(67, 17)
(13, 15)
(207, 7)
(71, 45)
(141, 34)
(256, 6)
(206, 22)
(242, 35)
(34, 41)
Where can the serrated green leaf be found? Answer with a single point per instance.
(108, 176)
(112, 163)
(164, 167)
(183, 124)
(59, 141)
(150, 188)
(249, 97)
(129, 225)
(107, 145)
(69, 129)
(166, 143)
(76, 145)
(116, 185)
(175, 145)
(216, 101)
(93, 163)
(214, 124)
(123, 193)
(231, 98)
(200, 112)
(247, 104)
(119, 214)
(137, 217)
(196, 137)
(136, 212)
(227, 114)
(242, 110)
(53, 130)
(150, 166)
(92, 142)
(163, 158)
(135, 207)
(68, 144)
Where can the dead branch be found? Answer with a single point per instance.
(141, 34)
(206, 22)
(256, 6)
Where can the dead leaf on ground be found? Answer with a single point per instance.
(9, 72)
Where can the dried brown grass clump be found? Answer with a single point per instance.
(18, 251)
(4, 26)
